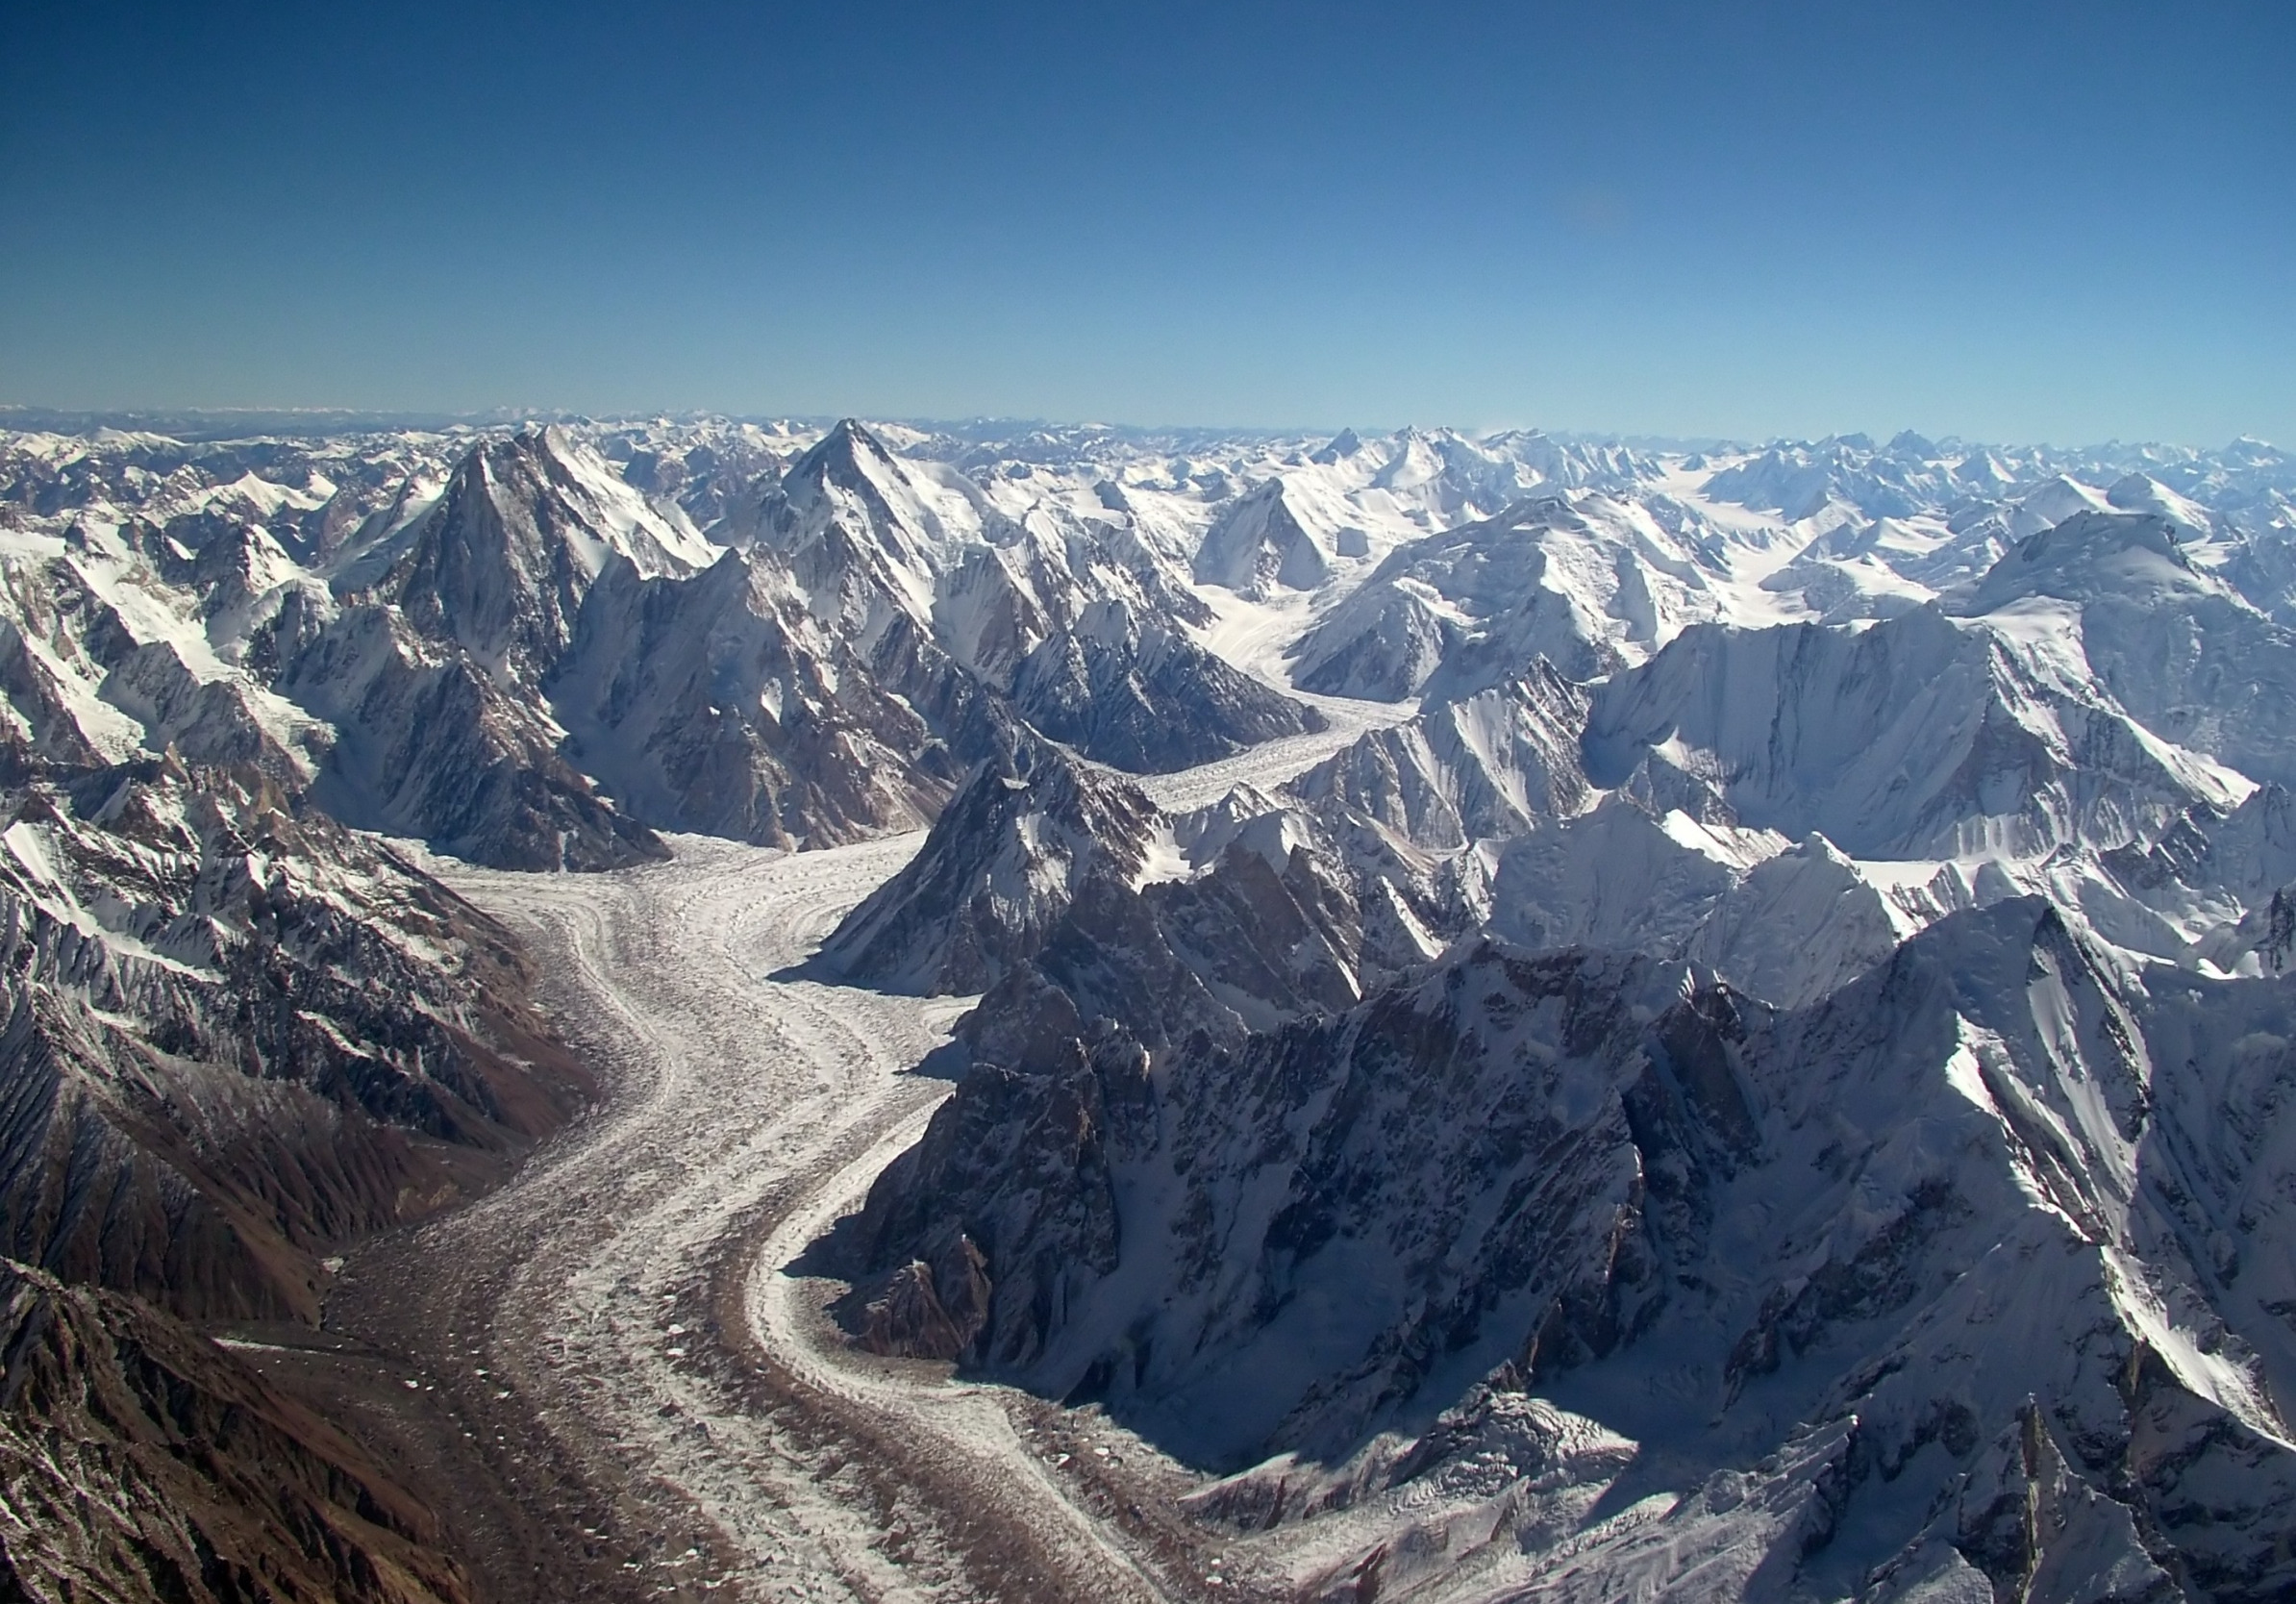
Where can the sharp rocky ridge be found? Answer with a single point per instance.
(1728, 1040)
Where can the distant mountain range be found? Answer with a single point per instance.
(1763, 1068)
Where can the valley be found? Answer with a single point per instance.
(630, 1292)
(711, 1008)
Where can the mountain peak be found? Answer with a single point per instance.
(997, 869)
(501, 561)
(849, 437)
(2092, 555)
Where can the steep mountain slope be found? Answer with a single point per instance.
(719, 705)
(1879, 1252)
(143, 1463)
(1268, 540)
(236, 1036)
(501, 564)
(1074, 617)
(431, 671)
(1589, 585)
(429, 744)
(1912, 739)
(868, 534)
(1272, 917)
(1000, 867)
(1003, 601)
(2184, 654)
(1137, 694)
(1486, 767)
(1767, 1083)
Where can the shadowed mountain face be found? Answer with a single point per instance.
(1758, 1073)
(521, 657)
(1890, 1233)
(1815, 1139)
(1142, 697)
(238, 1033)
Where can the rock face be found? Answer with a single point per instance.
(501, 564)
(1269, 925)
(1260, 546)
(143, 1463)
(866, 534)
(998, 870)
(1143, 697)
(433, 671)
(718, 705)
(236, 1036)
(1561, 1170)
(1328, 1277)
(429, 744)
(532, 659)
(1769, 1083)
(1785, 1110)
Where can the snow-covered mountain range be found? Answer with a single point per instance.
(1749, 1061)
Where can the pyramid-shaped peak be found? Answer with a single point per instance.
(849, 440)
(998, 868)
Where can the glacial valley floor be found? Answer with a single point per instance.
(603, 1376)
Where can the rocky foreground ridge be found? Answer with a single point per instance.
(141, 1462)
(1758, 1075)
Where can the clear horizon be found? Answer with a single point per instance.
(2069, 224)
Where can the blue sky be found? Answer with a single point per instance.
(2028, 221)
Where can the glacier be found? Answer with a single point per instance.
(1516, 1017)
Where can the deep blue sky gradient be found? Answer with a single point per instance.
(2064, 221)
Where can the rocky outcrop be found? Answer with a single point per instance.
(998, 870)
(929, 1310)
(718, 705)
(1292, 1140)
(1141, 696)
(235, 1037)
(1570, 1172)
(141, 1463)
(501, 564)
(431, 745)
